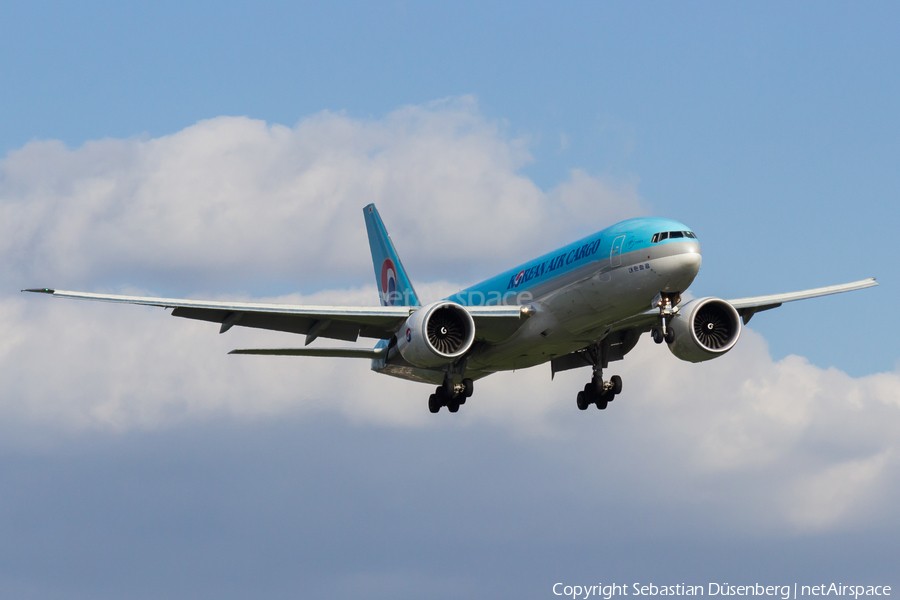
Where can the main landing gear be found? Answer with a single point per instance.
(452, 395)
(597, 391)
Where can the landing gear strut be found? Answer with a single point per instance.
(597, 391)
(668, 307)
(452, 395)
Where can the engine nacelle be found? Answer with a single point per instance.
(704, 328)
(436, 334)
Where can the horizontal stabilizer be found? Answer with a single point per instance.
(371, 353)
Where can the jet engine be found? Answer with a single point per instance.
(704, 328)
(436, 334)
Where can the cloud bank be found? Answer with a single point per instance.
(233, 204)
(232, 195)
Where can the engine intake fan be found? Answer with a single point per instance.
(446, 330)
(704, 329)
(436, 334)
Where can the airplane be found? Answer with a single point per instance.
(584, 305)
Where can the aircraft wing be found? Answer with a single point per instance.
(337, 322)
(747, 307)
(624, 335)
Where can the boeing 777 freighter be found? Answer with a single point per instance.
(584, 305)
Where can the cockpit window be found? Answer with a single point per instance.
(665, 235)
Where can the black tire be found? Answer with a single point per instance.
(582, 401)
(448, 387)
(434, 404)
(670, 335)
(470, 387)
(616, 382)
(596, 386)
(602, 402)
(657, 335)
(453, 407)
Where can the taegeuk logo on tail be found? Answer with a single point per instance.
(388, 282)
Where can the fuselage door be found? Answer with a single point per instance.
(615, 254)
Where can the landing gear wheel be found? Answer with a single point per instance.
(596, 385)
(434, 403)
(453, 406)
(616, 382)
(469, 387)
(657, 335)
(448, 388)
(602, 402)
(670, 335)
(582, 401)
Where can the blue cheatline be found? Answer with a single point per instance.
(627, 236)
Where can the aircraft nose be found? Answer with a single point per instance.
(682, 268)
(691, 260)
(692, 256)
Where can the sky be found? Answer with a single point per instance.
(224, 150)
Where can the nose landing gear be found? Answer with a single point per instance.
(668, 308)
(662, 334)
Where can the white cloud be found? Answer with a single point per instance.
(774, 444)
(233, 195)
(779, 444)
(788, 443)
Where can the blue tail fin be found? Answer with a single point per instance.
(390, 276)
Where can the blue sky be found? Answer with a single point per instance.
(750, 123)
(226, 150)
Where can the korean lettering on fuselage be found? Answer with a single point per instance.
(557, 262)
